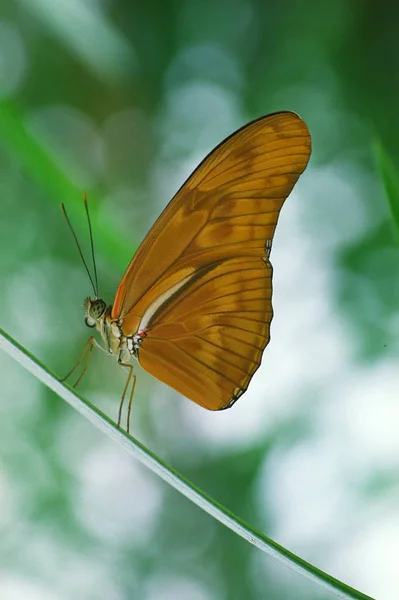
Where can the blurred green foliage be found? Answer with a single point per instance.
(121, 100)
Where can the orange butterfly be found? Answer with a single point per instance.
(194, 305)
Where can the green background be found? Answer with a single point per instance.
(122, 99)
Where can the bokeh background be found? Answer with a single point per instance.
(121, 99)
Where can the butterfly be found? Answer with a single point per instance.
(194, 306)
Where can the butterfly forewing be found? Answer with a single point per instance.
(201, 280)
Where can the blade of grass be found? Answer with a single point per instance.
(168, 474)
(390, 178)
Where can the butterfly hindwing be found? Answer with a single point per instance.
(208, 342)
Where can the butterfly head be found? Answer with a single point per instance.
(94, 311)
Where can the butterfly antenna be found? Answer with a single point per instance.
(79, 248)
(93, 257)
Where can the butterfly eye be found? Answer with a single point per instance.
(97, 309)
(94, 310)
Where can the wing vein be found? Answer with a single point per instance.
(230, 350)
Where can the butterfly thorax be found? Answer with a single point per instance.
(98, 315)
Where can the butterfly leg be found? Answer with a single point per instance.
(130, 376)
(86, 352)
(129, 408)
(86, 364)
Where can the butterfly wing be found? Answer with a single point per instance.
(208, 342)
(201, 280)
